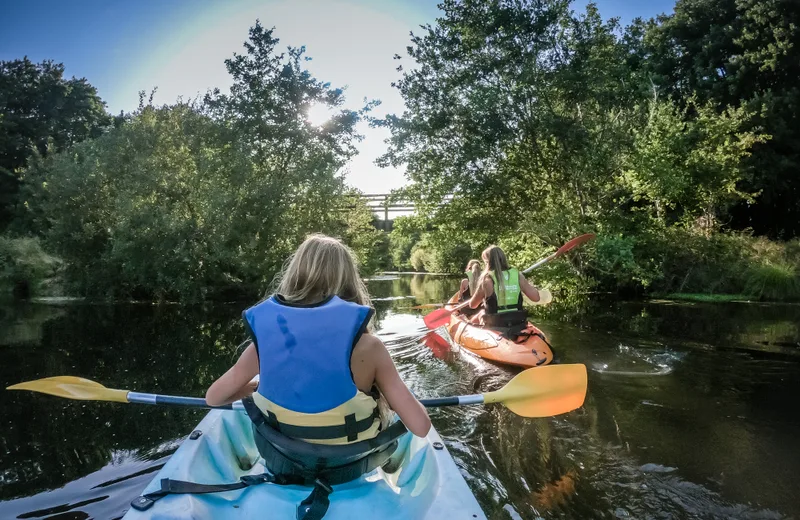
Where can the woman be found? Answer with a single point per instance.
(468, 285)
(319, 367)
(473, 272)
(499, 290)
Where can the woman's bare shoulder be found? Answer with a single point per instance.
(369, 347)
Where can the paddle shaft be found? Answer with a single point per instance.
(541, 262)
(177, 400)
(575, 242)
(197, 402)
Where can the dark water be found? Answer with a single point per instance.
(692, 410)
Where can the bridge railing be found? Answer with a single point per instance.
(382, 206)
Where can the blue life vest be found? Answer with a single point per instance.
(306, 351)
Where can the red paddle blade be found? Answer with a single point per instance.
(437, 318)
(437, 344)
(575, 242)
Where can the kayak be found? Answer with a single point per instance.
(424, 481)
(530, 350)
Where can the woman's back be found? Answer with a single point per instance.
(320, 372)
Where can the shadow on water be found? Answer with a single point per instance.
(692, 409)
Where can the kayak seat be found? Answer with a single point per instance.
(319, 465)
(336, 464)
(294, 462)
(509, 324)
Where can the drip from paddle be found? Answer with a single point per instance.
(535, 392)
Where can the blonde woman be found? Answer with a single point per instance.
(318, 364)
(468, 284)
(500, 290)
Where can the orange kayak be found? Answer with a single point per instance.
(530, 349)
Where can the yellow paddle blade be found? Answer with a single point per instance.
(73, 388)
(543, 391)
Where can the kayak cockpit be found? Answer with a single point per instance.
(419, 481)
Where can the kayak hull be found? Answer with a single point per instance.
(427, 485)
(534, 351)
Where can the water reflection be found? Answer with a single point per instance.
(692, 409)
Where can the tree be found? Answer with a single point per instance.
(739, 53)
(40, 110)
(517, 109)
(541, 124)
(688, 161)
(195, 201)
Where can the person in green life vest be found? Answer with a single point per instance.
(500, 289)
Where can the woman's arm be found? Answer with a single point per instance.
(236, 382)
(527, 289)
(397, 394)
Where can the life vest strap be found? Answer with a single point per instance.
(350, 429)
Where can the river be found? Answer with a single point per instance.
(693, 410)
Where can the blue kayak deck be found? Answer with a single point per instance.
(427, 485)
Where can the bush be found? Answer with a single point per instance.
(405, 234)
(24, 266)
(773, 281)
(420, 258)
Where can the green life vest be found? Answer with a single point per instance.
(507, 295)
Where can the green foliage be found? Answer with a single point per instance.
(773, 281)
(204, 201)
(622, 262)
(688, 160)
(40, 110)
(541, 124)
(420, 259)
(370, 244)
(414, 245)
(24, 266)
(405, 234)
(738, 53)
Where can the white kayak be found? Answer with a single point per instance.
(427, 485)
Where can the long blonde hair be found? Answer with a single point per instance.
(321, 267)
(474, 267)
(495, 261)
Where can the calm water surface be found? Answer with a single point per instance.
(692, 411)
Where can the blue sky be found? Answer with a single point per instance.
(124, 46)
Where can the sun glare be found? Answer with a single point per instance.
(318, 114)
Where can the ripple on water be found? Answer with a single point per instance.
(643, 361)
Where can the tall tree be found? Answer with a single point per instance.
(516, 108)
(740, 53)
(195, 201)
(40, 109)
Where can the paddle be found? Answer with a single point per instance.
(427, 306)
(536, 392)
(572, 244)
(441, 317)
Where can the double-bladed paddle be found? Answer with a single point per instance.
(535, 392)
